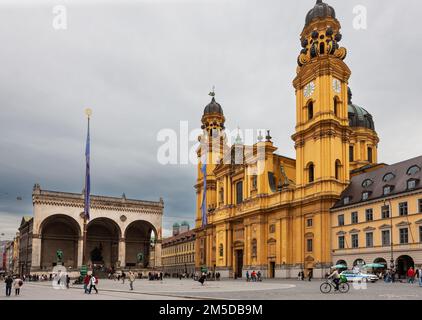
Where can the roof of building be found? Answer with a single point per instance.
(394, 176)
(213, 107)
(358, 116)
(320, 10)
(182, 237)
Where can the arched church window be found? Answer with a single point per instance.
(370, 158)
(311, 173)
(310, 110)
(336, 107)
(337, 169)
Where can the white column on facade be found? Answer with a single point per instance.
(122, 252)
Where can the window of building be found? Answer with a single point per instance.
(420, 205)
(336, 107)
(385, 212)
(355, 218)
(370, 157)
(369, 240)
(346, 200)
(221, 250)
(369, 214)
(413, 170)
(272, 228)
(411, 184)
(340, 219)
(388, 177)
(355, 241)
(404, 236)
(367, 183)
(309, 223)
(309, 245)
(351, 153)
(403, 210)
(310, 110)
(365, 195)
(385, 237)
(311, 173)
(387, 190)
(239, 192)
(254, 182)
(337, 169)
(341, 242)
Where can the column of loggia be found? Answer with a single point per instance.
(122, 252)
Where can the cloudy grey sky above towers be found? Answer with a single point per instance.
(144, 66)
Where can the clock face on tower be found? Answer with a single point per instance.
(309, 89)
(336, 85)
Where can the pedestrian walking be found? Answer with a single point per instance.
(86, 281)
(247, 276)
(410, 275)
(310, 275)
(202, 279)
(253, 276)
(131, 279)
(123, 277)
(18, 284)
(93, 284)
(419, 272)
(9, 282)
(67, 281)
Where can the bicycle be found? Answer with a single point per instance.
(328, 284)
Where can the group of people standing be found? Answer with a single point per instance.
(16, 283)
(254, 276)
(301, 275)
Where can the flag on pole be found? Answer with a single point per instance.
(204, 194)
(87, 176)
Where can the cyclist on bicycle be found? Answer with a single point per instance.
(336, 278)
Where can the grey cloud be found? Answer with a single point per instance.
(144, 66)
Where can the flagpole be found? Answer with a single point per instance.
(88, 113)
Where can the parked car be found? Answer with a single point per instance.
(359, 276)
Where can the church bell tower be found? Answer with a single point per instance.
(322, 127)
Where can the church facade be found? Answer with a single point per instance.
(271, 213)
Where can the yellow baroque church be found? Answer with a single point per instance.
(269, 212)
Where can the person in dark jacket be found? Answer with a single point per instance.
(9, 283)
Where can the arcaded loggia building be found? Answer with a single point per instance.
(272, 213)
(121, 233)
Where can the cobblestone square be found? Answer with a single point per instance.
(225, 290)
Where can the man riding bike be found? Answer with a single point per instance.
(336, 278)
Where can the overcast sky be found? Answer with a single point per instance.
(143, 66)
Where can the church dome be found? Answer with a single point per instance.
(358, 116)
(213, 107)
(320, 10)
